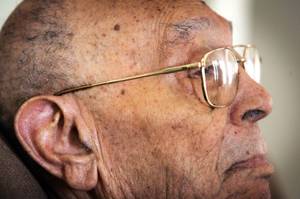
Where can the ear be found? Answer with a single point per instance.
(59, 133)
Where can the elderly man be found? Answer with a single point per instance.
(134, 99)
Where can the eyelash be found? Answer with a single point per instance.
(198, 73)
(194, 74)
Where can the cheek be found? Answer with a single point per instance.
(209, 131)
(192, 148)
(192, 129)
(187, 126)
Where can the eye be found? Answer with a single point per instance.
(209, 71)
(194, 73)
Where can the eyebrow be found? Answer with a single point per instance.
(199, 23)
(184, 28)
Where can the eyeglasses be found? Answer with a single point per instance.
(218, 71)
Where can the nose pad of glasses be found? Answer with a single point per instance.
(241, 61)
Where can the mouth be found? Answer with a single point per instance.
(259, 163)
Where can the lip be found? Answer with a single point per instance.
(258, 162)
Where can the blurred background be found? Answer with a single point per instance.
(274, 26)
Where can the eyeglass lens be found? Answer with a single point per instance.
(252, 63)
(220, 74)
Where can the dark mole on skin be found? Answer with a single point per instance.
(117, 27)
(123, 92)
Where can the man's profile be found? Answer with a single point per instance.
(187, 133)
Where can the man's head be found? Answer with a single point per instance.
(147, 138)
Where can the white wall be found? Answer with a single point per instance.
(6, 6)
(239, 12)
(277, 30)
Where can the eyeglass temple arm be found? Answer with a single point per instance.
(168, 70)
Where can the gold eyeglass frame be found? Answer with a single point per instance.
(173, 69)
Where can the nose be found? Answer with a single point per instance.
(252, 102)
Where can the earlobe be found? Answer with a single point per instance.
(58, 133)
(81, 175)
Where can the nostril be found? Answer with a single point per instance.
(254, 115)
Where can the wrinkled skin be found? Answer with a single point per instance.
(157, 137)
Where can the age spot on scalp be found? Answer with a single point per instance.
(117, 27)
